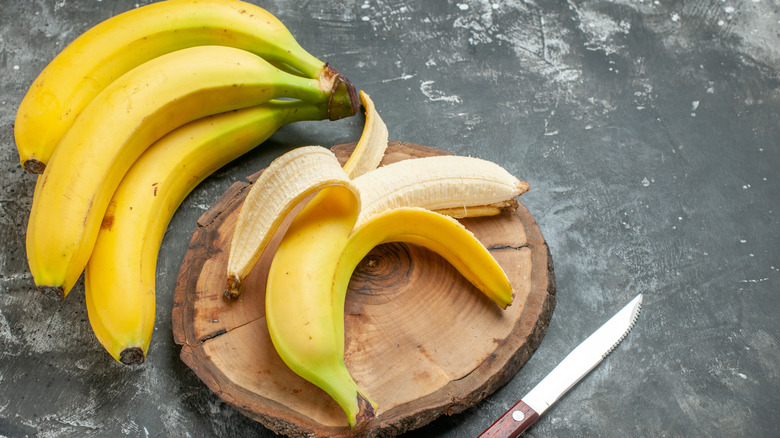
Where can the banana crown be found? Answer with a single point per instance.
(125, 41)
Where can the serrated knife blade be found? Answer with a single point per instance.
(566, 374)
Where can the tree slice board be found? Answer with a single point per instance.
(420, 340)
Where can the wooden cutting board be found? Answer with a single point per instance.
(420, 340)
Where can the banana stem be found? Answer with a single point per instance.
(344, 101)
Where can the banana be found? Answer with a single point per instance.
(111, 48)
(126, 118)
(299, 304)
(272, 197)
(282, 185)
(448, 182)
(120, 276)
(435, 231)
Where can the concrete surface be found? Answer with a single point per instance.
(649, 132)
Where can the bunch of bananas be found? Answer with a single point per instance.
(133, 114)
(129, 118)
(352, 209)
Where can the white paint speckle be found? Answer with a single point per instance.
(399, 78)
(365, 18)
(694, 105)
(742, 241)
(675, 17)
(729, 9)
(646, 182)
(16, 67)
(463, 6)
(434, 95)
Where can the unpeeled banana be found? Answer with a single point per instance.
(110, 49)
(126, 118)
(120, 276)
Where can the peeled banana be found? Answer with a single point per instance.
(121, 122)
(287, 181)
(120, 275)
(110, 49)
(346, 218)
(443, 182)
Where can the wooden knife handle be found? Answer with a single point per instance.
(514, 422)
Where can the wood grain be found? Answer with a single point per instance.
(420, 340)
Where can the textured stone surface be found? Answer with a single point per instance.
(648, 130)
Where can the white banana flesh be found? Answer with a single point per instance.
(439, 182)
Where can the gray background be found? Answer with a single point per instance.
(649, 133)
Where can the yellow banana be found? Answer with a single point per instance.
(111, 48)
(277, 190)
(299, 303)
(120, 275)
(125, 119)
(437, 232)
(448, 182)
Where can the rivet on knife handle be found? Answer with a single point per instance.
(514, 422)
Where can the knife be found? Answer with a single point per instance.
(574, 367)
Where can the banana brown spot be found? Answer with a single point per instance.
(108, 222)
